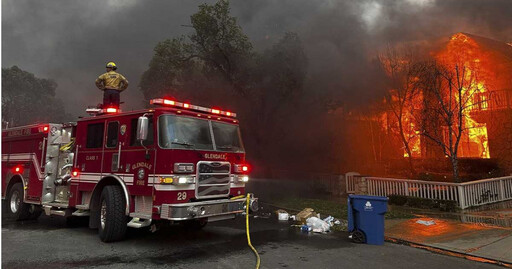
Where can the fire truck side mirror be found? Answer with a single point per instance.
(142, 128)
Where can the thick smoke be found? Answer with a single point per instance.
(70, 41)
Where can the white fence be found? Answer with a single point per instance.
(350, 181)
(466, 195)
(486, 191)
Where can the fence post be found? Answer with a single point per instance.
(348, 183)
(360, 185)
(502, 190)
(406, 186)
(462, 200)
(364, 186)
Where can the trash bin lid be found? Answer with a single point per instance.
(368, 197)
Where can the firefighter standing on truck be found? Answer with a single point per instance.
(112, 84)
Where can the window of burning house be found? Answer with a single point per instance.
(227, 137)
(95, 135)
(184, 133)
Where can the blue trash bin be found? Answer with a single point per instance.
(366, 218)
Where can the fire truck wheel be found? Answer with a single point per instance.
(112, 214)
(16, 208)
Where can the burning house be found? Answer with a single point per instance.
(477, 96)
(490, 116)
(479, 90)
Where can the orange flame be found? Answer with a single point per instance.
(465, 52)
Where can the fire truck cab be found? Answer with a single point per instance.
(176, 162)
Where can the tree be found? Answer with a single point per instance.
(216, 49)
(277, 92)
(449, 90)
(217, 65)
(27, 99)
(402, 95)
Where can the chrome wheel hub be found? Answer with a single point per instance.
(15, 201)
(103, 214)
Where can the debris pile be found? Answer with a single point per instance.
(304, 215)
(318, 225)
(310, 221)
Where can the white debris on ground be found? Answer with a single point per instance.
(329, 220)
(283, 216)
(310, 221)
(318, 225)
(426, 222)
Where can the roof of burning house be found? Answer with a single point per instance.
(501, 50)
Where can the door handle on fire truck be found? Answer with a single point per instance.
(119, 156)
(42, 152)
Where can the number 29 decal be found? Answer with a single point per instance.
(182, 196)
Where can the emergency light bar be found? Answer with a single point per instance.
(167, 102)
(101, 111)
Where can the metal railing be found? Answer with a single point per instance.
(492, 100)
(466, 195)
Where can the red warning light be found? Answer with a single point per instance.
(44, 129)
(215, 111)
(75, 173)
(111, 110)
(185, 105)
(242, 168)
(18, 169)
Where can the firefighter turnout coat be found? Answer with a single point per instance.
(112, 81)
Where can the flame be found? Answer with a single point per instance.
(465, 52)
(460, 51)
(411, 131)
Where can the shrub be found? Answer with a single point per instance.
(448, 206)
(443, 205)
(397, 199)
(420, 202)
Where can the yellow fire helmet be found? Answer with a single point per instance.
(111, 65)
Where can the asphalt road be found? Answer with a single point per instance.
(49, 243)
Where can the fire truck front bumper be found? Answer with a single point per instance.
(213, 210)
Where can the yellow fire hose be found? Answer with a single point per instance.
(247, 231)
(248, 201)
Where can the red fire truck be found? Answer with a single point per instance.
(177, 162)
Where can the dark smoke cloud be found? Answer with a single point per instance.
(70, 41)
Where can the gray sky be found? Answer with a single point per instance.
(70, 40)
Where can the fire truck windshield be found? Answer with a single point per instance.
(178, 132)
(227, 137)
